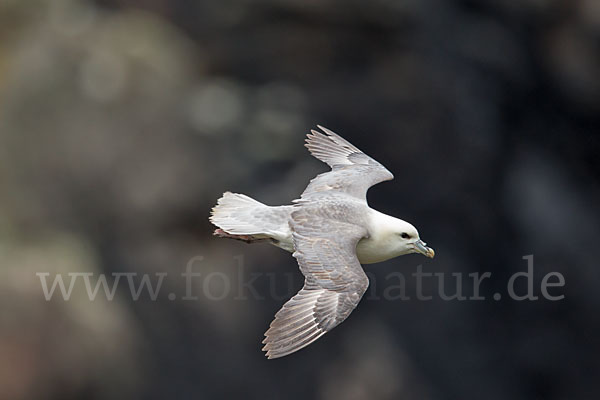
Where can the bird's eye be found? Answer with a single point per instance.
(405, 235)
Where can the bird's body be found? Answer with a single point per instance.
(330, 230)
(373, 248)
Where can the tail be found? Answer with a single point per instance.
(238, 214)
(242, 218)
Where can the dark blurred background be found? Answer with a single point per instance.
(122, 122)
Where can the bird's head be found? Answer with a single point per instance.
(407, 239)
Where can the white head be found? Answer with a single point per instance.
(407, 239)
(390, 237)
(401, 237)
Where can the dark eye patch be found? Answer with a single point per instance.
(405, 235)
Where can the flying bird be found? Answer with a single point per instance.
(331, 231)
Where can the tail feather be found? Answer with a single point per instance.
(238, 214)
(241, 217)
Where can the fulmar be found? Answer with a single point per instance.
(331, 231)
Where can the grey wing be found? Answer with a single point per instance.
(334, 282)
(352, 171)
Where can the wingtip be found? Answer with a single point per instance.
(267, 350)
(271, 356)
(322, 131)
(312, 135)
(313, 138)
(327, 132)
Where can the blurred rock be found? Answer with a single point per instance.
(56, 348)
(122, 122)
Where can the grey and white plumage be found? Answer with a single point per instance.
(331, 230)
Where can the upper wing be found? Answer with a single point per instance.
(352, 171)
(334, 279)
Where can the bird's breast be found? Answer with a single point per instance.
(370, 250)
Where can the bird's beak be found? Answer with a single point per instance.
(421, 247)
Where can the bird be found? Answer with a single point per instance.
(330, 231)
